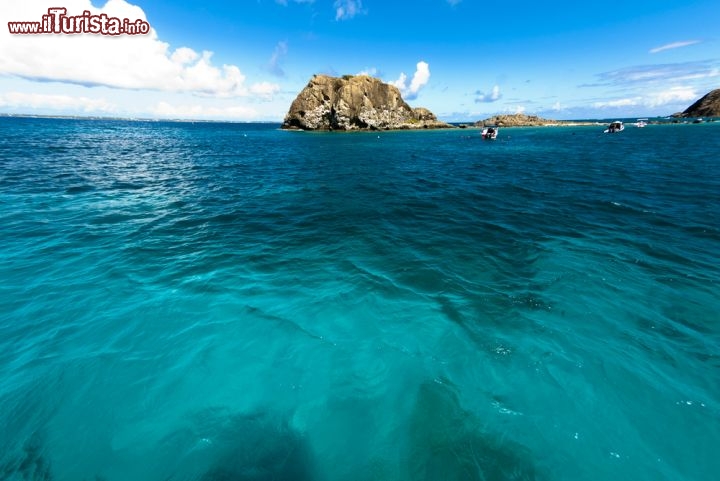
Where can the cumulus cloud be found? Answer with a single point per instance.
(55, 102)
(421, 77)
(401, 82)
(671, 95)
(264, 89)
(184, 56)
(371, 71)
(419, 80)
(674, 45)
(138, 62)
(347, 9)
(493, 96)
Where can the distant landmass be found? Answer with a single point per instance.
(707, 106)
(515, 120)
(355, 102)
(523, 120)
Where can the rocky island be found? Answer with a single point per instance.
(355, 102)
(523, 120)
(707, 106)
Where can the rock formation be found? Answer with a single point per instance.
(708, 106)
(522, 120)
(355, 102)
(516, 120)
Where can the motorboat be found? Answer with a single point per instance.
(489, 133)
(616, 126)
(641, 123)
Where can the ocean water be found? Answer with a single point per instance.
(227, 302)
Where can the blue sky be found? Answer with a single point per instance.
(463, 59)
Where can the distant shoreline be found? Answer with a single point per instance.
(137, 119)
(667, 120)
(555, 123)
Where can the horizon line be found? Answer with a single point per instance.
(228, 121)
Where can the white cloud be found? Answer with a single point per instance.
(265, 89)
(674, 45)
(673, 95)
(371, 72)
(400, 83)
(493, 96)
(274, 65)
(347, 9)
(419, 80)
(198, 111)
(421, 77)
(660, 73)
(184, 56)
(23, 100)
(715, 72)
(627, 102)
(670, 96)
(135, 62)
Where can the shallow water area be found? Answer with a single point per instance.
(217, 301)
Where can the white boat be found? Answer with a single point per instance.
(641, 122)
(614, 127)
(489, 133)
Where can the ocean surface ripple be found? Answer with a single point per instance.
(212, 302)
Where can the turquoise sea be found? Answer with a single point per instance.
(233, 302)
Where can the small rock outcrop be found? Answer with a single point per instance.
(355, 102)
(523, 120)
(516, 120)
(707, 106)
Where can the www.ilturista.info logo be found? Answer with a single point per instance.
(58, 22)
